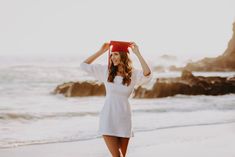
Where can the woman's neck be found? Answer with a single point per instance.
(120, 70)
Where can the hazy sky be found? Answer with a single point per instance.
(186, 28)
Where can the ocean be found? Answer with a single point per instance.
(30, 114)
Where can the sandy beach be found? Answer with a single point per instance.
(215, 140)
(52, 107)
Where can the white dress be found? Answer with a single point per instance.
(115, 116)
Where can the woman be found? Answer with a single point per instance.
(119, 78)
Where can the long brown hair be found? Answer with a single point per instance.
(126, 64)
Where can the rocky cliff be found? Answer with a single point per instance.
(224, 62)
(187, 84)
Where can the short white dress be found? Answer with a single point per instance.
(115, 118)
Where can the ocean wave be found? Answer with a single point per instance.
(12, 144)
(36, 116)
(186, 125)
(40, 116)
(228, 108)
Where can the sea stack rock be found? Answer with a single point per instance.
(72, 89)
(224, 62)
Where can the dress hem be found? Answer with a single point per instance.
(113, 134)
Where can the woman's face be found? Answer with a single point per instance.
(116, 58)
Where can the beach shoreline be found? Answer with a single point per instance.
(204, 140)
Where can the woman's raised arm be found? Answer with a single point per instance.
(144, 65)
(93, 57)
(98, 71)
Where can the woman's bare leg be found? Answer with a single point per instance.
(123, 145)
(112, 143)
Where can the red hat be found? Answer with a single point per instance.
(120, 46)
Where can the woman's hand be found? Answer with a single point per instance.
(102, 50)
(135, 48)
(104, 47)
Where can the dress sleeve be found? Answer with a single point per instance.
(98, 71)
(141, 78)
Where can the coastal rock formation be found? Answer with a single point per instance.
(224, 62)
(72, 89)
(159, 68)
(187, 84)
(168, 57)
